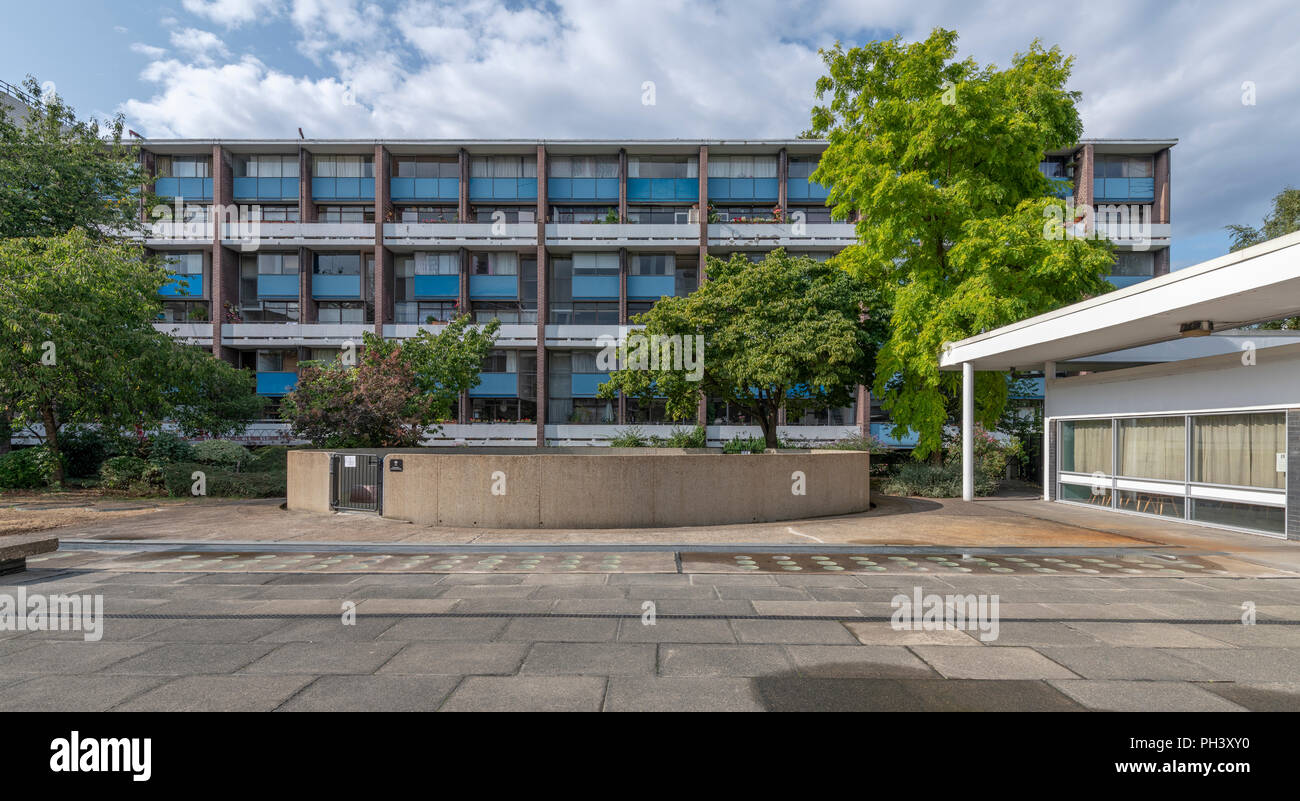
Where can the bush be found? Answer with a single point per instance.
(84, 450)
(632, 437)
(121, 472)
(27, 468)
(858, 442)
(696, 437)
(750, 445)
(179, 481)
(165, 447)
(221, 453)
(933, 481)
(272, 457)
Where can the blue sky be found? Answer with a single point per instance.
(576, 68)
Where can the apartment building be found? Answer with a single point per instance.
(563, 241)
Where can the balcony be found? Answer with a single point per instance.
(1122, 281)
(437, 287)
(197, 333)
(279, 335)
(266, 189)
(650, 287)
(761, 189)
(783, 234)
(682, 190)
(277, 287)
(496, 385)
(460, 234)
(803, 189)
(297, 234)
(584, 385)
(494, 287)
(343, 188)
(336, 287)
(1123, 189)
(599, 234)
(185, 188)
(180, 232)
(276, 384)
(595, 287)
(183, 286)
(582, 189)
(503, 188)
(425, 189)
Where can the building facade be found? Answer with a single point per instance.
(289, 250)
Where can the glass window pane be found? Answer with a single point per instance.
(1148, 503)
(1086, 446)
(1153, 447)
(1239, 450)
(1240, 515)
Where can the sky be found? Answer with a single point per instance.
(745, 69)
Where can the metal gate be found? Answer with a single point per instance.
(357, 482)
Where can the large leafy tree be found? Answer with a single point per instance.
(939, 158)
(77, 345)
(394, 394)
(1283, 218)
(59, 173)
(786, 331)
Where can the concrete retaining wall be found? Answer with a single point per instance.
(612, 488)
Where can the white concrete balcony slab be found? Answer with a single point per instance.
(612, 234)
(582, 335)
(483, 434)
(807, 235)
(251, 236)
(251, 335)
(486, 235)
(178, 233)
(190, 333)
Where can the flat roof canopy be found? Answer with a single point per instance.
(1251, 285)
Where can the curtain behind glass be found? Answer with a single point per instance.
(1086, 446)
(1153, 448)
(1239, 449)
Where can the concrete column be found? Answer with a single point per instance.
(543, 296)
(1049, 375)
(462, 409)
(622, 185)
(1083, 173)
(863, 413)
(967, 431)
(702, 411)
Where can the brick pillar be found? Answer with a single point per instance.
(622, 185)
(702, 410)
(462, 197)
(148, 163)
(1083, 173)
(622, 321)
(382, 290)
(543, 293)
(1160, 208)
(306, 303)
(306, 208)
(225, 263)
(462, 299)
(782, 179)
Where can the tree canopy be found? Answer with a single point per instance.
(786, 331)
(1283, 218)
(939, 158)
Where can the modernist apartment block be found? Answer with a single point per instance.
(562, 241)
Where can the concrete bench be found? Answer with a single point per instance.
(15, 548)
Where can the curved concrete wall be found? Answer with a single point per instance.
(614, 488)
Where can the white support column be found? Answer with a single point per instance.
(967, 431)
(1049, 375)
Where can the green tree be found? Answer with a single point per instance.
(77, 345)
(1283, 219)
(786, 331)
(940, 158)
(396, 392)
(58, 173)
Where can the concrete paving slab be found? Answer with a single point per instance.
(527, 694)
(320, 658)
(538, 629)
(660, 694)
(882, 633)
(64, 658)
(858, 661)
(217, 694)
(816, 632)
(1146, 635)
(445, 629)
(73, 693)
(590, 659)
(1129, 663)
(1144, 696)
(184, 658)
(372, 694)
(676, 631)
(457, 659)
(1259, 696)
(991, 663)
(722, 660)
(1247, 664)
(977, 695)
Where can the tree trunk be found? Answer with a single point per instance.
(52, 442)
(767, 421)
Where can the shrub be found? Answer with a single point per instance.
(858, 442)
(84, 450)
(696, 437)
(934, 481)
(221, 483)
(27, 468)
(220, 453)
(632, 437)
(751, 445)
(120, 472)
(271, 457)
(166, 447)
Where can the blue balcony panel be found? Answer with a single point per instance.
(183, 286)
(437, 286)
(650, 287)
(496, 385)
(343, 188)
(1025, 389)
(275, 384)
(187, 188)
(880, 432)
(494, 287)
(266, 189)
(584, 385)
(277, 287)
(663, 189)
(425, 189)
(503, 188)
(803, 189)
(336, 287)
(1113, 189)
(743, 189)
(1121, 281)
(595, 287)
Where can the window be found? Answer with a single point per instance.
(183, 311)
(503, 167)
(345, 214)
(742, 166)
(663, 167)
(261, 166)
(279, 214)
(427, 214)
(1239, 450)
(337, 264)
(426, 167)
(424, 312)
(687, 279)
(276, 361)
(498, 361)
(494, 264)
(1153, 447)
(801, 167)
(350, 311)
(760, 214)
(659, 215)
(582, 167)
(183, 166)
(507, 311)
(816, 215)
(1130, 262)
(1086, 446)
(595, 263)
(1124, 167)
(508, 214)
(568, 215)
(652, 264)
(1271, 519)
(185, 263)
(343, 167)
(269, 311)
(250, 267)
(1055, 167)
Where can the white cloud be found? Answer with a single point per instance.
(147, 50)
(473, 68)
(233, 13)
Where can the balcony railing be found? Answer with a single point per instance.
(496, 385)
(273, 384)
(183, 286)
(336, 287)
